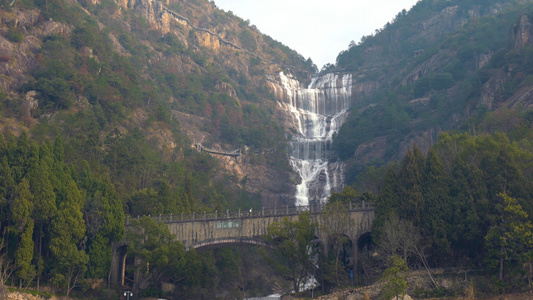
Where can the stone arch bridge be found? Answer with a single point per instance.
(204, 231)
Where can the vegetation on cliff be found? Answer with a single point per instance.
(444, 65)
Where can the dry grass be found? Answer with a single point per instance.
(469, 292)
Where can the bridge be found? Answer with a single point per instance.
(201, 148)
(203, 231)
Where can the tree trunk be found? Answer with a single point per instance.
(500, 275)
(530, 273)
(39, 261)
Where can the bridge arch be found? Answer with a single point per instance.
(364, 240)
(209, 245)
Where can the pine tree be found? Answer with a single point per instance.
(7, 186)
(23, 157)
(387, 202)
(99, 257)
(44, 207)
(167, 199)
(470, 207)
(437, 216)
(24, 254)
(22, 207)
(104, 217)
(512, 235)
(68, 228)
(23, 227)
(394, 279)
(3, 145)
(410, 186)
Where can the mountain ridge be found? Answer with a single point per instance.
(459, 63)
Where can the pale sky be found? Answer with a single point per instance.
(319, 29)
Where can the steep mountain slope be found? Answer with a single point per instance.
(443, 65)
(132, 85)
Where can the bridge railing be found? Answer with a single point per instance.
(250, 213)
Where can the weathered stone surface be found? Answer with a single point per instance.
(522, 33)
(492, 89)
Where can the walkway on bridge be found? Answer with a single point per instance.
(234, 153)
(251, 213)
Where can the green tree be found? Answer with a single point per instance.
(44, 208)
(24, 254)
(100, 255)
(162, 256)
(347, 195)
(22, 207)
(503, 175)
(387, 203)
(22, 156)
(436, 219)
(471, 209)
(145, 202)
(394, 278)
(167, 198)
(68, 229)
(23, 226)
(104, 219)
(512, 235)
(7, 186)
(292, 243)
(335, 225)
(410, 190)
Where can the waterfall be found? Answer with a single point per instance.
(316, 114)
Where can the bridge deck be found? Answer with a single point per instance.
(234, 153)
(251, 213)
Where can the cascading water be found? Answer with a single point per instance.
(317, 113)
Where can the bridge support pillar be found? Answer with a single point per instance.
(118, 266)
(355, 249)
(138, 283)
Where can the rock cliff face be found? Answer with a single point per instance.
(195, 24)
(210, 43)
(523, 34)
(17, 57)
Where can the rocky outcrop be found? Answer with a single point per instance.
(522, 33)
(452, 18)
(448, 20)
(371, 151)
(492, 92)
(18, 57)
(523, 99)
(492, 89)
(427, 66)
(423, 140)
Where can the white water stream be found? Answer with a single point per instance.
(317, 112)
